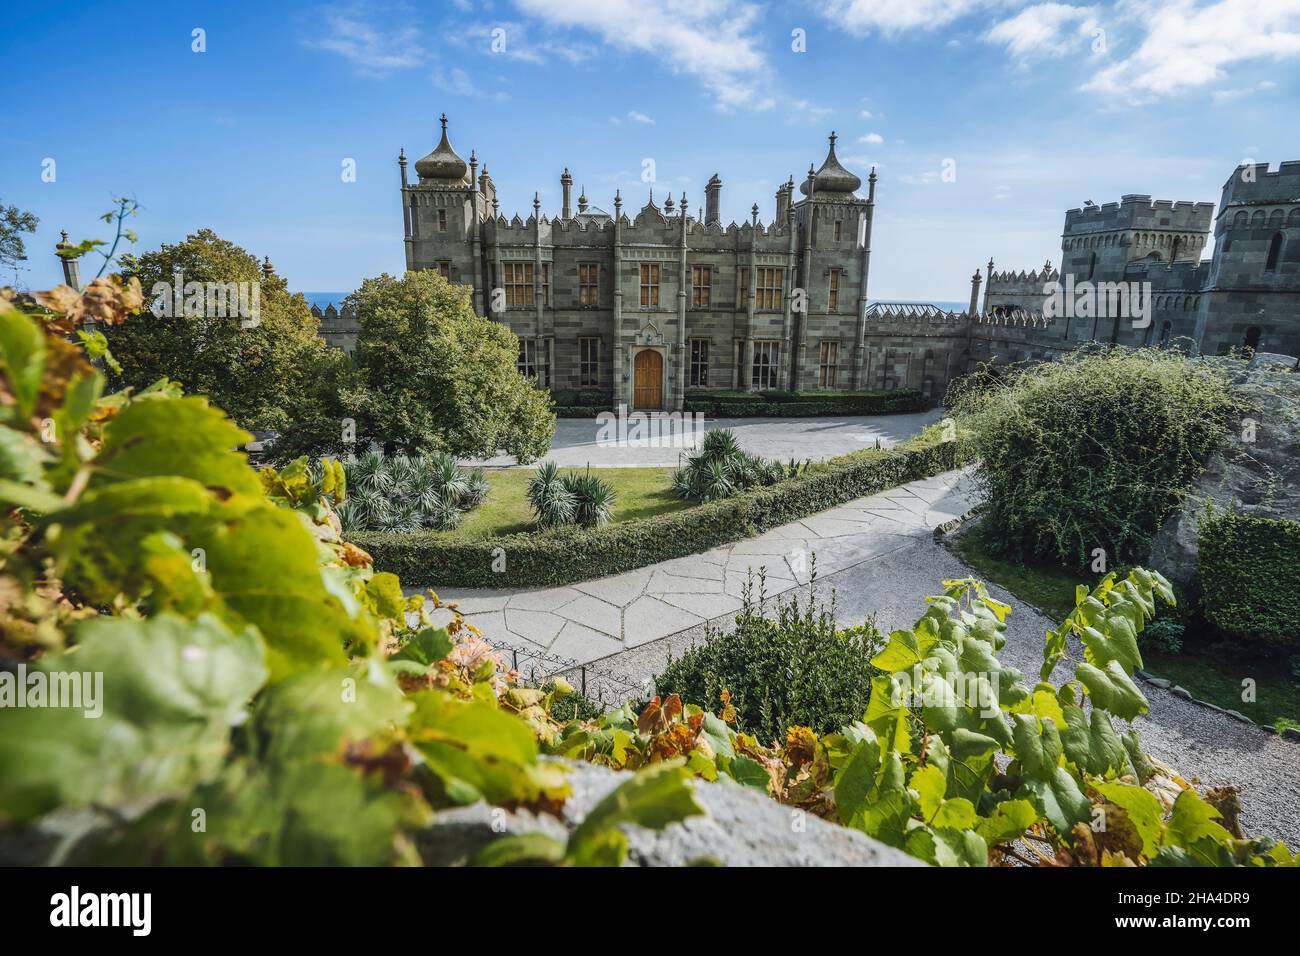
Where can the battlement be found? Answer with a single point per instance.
(1140, 211)
(1255, 184)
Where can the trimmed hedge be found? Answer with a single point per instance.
(566, 555)
(580, 411)
(1248, 567)
(772, 404)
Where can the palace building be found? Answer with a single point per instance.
(648, 304)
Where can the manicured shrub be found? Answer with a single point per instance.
(1248, 568)
(798, 669)
(1092, 451)
(407, 494)
(722, 403)
(567, 554)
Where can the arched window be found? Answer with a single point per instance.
(1092, 264)
(1252, 339)
(1274, 251)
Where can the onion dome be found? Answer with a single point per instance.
(832, 177)
(442, 163)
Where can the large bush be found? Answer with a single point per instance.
(1249, 568)
(798, 669)
(427, 375)
(1092, 451)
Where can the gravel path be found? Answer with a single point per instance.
(1207, 747)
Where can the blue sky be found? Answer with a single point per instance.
(1037, 107)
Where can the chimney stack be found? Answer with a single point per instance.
(71, 275)
(712, 198)
(566, 184)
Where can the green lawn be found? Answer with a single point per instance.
(1209, 670)
(641, 492)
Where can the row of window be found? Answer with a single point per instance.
(764, 368)
(519, 283)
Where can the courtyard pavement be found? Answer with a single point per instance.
(606, 616)
(574, 444)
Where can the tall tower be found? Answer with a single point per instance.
(1252, 296)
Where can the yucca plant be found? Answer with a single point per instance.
(593, 499)
(403, 493)
(722, 468)
(552, 501)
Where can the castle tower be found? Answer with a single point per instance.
(1252, 294)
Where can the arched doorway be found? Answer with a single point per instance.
(648, 380)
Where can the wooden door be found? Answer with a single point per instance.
(649, 382)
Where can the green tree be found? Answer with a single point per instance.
(427, 375)
(256, 371)
(13, 223)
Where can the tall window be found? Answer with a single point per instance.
(649, 284)
(589, 283)
(833, 293)
(1274, 251)
(444, 270)
(1092, 264)
(519, 284)
(527, 362)
(838, 231)
(546, 283)
(442, 220)
(588, 361)
(826, 368)
(765, 364)
(700, 363)
(767, 290)
(701, 286)
(743, 283)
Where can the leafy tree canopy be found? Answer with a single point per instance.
(254, 370)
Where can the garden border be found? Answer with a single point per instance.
(570, 555)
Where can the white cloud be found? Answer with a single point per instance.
(458, 83)
(861, 17)
(1044, 29)
(1187, 44)
(638, 117)
(871, 138)
(372, 50)
(715, 41)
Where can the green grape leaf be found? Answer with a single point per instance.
(1143, 811)
(171, 691)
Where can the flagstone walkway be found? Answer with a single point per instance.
(605, 616)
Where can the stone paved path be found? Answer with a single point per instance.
(595, 619)
(574, 444)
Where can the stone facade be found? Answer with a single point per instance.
(648, 305)
(645, 306)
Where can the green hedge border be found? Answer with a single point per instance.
(1248, 568)
(794, 404)
(569, 555)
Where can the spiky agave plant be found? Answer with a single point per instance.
(720, 443)
(552, 502)
(593, 499)
(476, 489)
